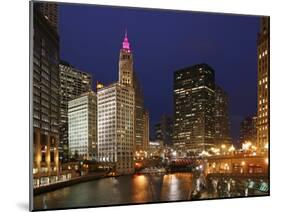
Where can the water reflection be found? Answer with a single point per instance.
(140, 189)
(120, 190)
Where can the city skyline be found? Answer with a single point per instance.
(101, 58)
(91, 127)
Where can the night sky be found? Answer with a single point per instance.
(162, 42)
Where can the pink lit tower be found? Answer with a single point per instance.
(126, 63)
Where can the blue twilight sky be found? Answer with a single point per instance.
(162, 42)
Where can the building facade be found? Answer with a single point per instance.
(116, 126)
(45, 100)
(117, 116)
(139, 116)
(194, 99)
(221, 116)
(72, 84)
(50, 13)
(263, 84)
(82, 126)
(164, 130)
(146, 130)
(155, 148)
(248, 131)
(126, 75)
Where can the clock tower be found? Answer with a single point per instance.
(126, 63)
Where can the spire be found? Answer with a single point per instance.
(126, 44)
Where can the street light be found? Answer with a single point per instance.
(231, 149)
(247, 145)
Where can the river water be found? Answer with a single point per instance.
(144, 188)
(128, 189)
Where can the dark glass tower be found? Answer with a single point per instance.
(194, 101)
(45, 99)
(221, 115)
(164, 130)
(50, 13)
(248, 131)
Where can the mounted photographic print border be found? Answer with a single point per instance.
(136, 106)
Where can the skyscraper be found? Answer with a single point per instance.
(126, 74)
(116, 126)
(221, 116)
(45, 100)
(72, 83)
(116, 116)
(164, 130)
(146, 130)
(82, 126)
(50, 13)
(263, 84)
(194, 101)
(139, 115)
(248, 131)
(128, 77)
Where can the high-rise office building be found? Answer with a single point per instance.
(164, 130)
(116, 116)
(45, 100)
(139, 115)
(116, 126)
(221, 116)
(82, 126)
(248, 131)
(73, 82)
(146, 130)
(194, 99)
(49, 11)
(128, 77)
(263, 84)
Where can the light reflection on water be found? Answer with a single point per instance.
(120, 190)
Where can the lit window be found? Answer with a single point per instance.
(260, 56)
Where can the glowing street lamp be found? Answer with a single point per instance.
(247, 145)
(231, 149)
